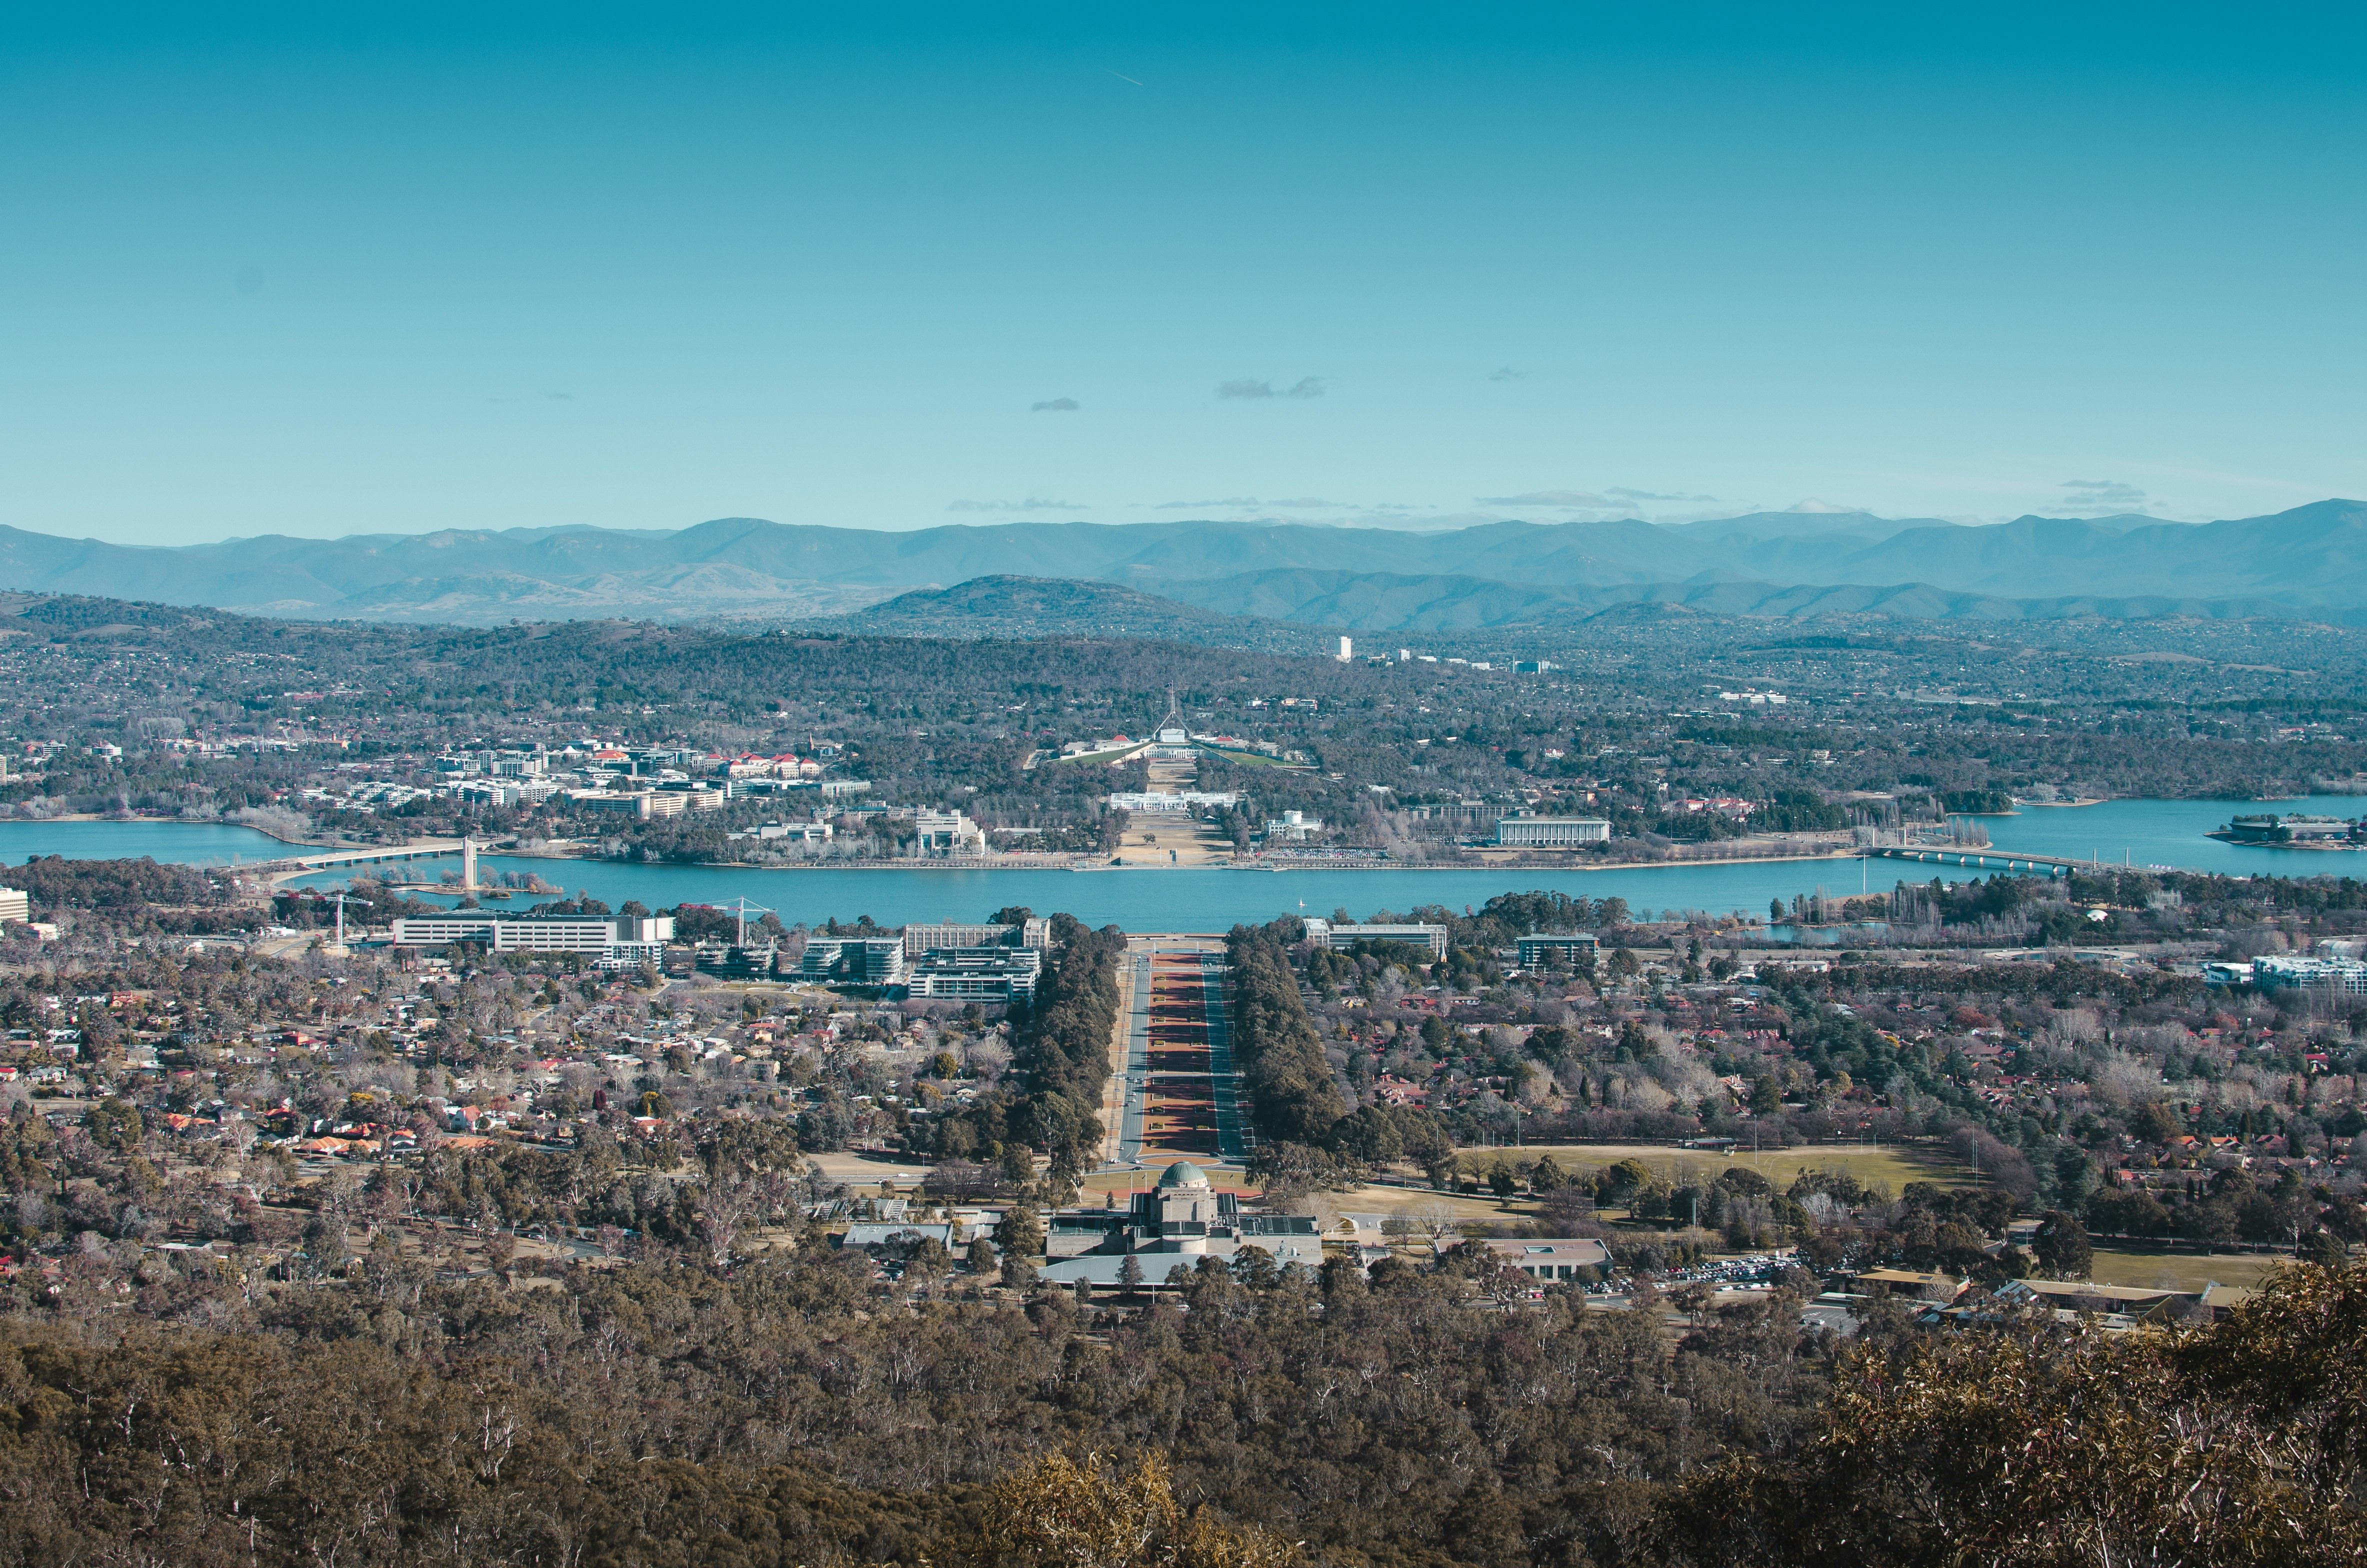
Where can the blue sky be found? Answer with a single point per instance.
(278, 271)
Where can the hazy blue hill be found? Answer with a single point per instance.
(2311, 556)
(1007, 607)
(1381, 601)
(2311, 560)
(1758, 527)
(1395, 603)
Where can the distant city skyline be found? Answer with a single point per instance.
(311, 273)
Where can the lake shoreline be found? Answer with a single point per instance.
(185, 822)
(996, 865)
(2148, 831)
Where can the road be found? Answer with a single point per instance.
(1180, 1092)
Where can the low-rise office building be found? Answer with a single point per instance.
(624, 939)
(1477, 815)
(1154, 803)
(724, 963)
(2285, 971)
(949, 834)
(644, 804)
(1551, 832)
(1542, 947)
(1555, 1260)
(1292, 827)
(1341, 938)
(918, 939)
(854, 960)
(975, 974)
(786, 832)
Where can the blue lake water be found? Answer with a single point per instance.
(179, 843)
(2139, 831)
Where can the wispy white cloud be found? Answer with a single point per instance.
(1033, 504)
(1554, 500)
(1617, 503)
(2103, 496)
(1285, 504)
(1621, 492)
(1257, 390)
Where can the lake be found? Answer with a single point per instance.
(181, 843)
(2141, 832)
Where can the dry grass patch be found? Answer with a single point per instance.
(2181, 1271)
(1892, 1166)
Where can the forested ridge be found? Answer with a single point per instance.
(393, 1418)
(797, 1411)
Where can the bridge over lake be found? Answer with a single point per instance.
(338, 859)
(1990, 857)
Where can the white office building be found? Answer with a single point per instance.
(854, 960)
(1151, 802)
(1540, 946)
(976, 974)
(919, 939)
(1551, 832)
(949, 834)
(1292, 827)
(2285, 971)
(626, 939)
(1340, 938)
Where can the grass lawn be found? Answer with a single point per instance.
(2180, 1270)
(1893, 1166)
(1406, 1199)
(1258, 759)
(864, 1172)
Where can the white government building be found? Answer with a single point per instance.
(1551, 832)
(619, 940)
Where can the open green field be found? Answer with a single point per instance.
(1892, 1166)
(1258, 759)
(2180, 1270)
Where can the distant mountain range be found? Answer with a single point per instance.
(2307, 563)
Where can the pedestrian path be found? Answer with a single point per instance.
(1138, 1065)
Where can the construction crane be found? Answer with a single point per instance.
(744, 909)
